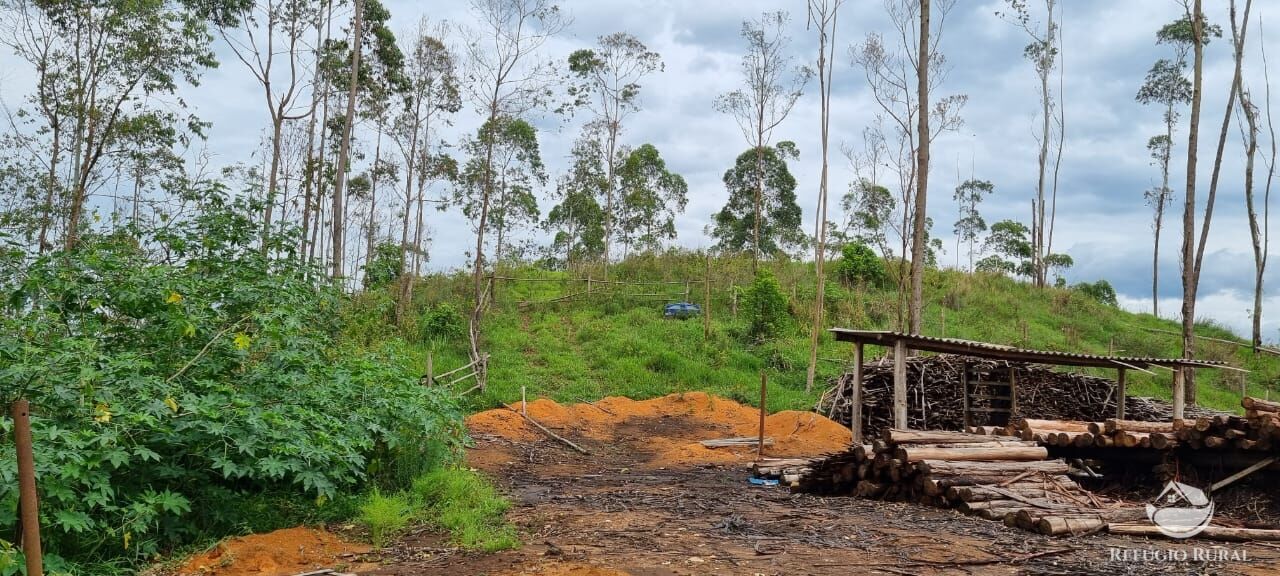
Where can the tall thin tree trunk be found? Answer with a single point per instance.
(373, 195)
(918, 239)
(344, 149)
(1189, 207)
(820, 232)
(277, 125)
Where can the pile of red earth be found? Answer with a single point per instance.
(935, 395)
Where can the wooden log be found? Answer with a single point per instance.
(1055, 425)
(1113, 425)
(898, 436)
(1066, 525)
(1209, 532)
(1251, 403)
(1011, 469)
(980, 493)
(1020, 453)
(1161, 441)
(1083, 439)
(1216, 442)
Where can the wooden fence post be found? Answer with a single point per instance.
(29, 506)
(706, 301)
(764, 382)
(431, 369)
(855, 420)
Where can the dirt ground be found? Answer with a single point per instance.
(650, 501)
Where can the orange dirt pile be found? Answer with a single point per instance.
(280, 553)
(670, 428)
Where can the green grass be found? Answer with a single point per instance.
(385, 516)
(468, 507)
(610, 344)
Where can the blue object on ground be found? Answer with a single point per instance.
(762, 481)
(681, 310)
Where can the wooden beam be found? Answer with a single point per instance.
(1013, 395)
(1179, 395)
(855, 419)
(1241, 474)
(1120, 393)
(900, 384)
(964, 390)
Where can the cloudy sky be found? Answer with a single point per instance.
(1103, 222)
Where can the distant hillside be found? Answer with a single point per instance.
(615, 341)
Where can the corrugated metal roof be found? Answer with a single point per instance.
(1011, 353)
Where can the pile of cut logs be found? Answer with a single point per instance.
(1258, 430)
(935, 395)
(1106, 434)
(995, 477)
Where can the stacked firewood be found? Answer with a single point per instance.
(994, 477)
(1258, 430)
(935, 395)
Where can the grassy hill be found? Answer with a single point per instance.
(616, 342)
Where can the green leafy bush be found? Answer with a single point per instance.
(440, 323)
(860, 265)
(765, 306)
(167, 388)
(1100, 291)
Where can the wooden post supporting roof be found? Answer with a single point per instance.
(900, 385)
(1120, 393)
(855, 419)
(1179, 394)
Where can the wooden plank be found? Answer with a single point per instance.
(900, 384)
(1241, 474)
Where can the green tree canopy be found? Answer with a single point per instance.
(780, 221)
(652, 196)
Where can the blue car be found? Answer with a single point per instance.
(681, 310)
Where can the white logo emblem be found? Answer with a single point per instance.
(1180, 511)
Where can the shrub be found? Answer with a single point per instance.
(764, 306)
(1100, 291)
(859, 265)
(164, 393)
(440, 323)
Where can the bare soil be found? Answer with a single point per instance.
(650, 501)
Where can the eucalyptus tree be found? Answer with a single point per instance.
(609, 77)
(772, 86)
(1193, 247)
(103, 69)
(1043, 53)
(1166, 84)
(506, 152)
(903, 78)
(431, 96)
(651, 197)
(505, 79)
(1249, 136)
(968, 195)
(269, 37)
(577, 220)
(765, 219)
(823, 15)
